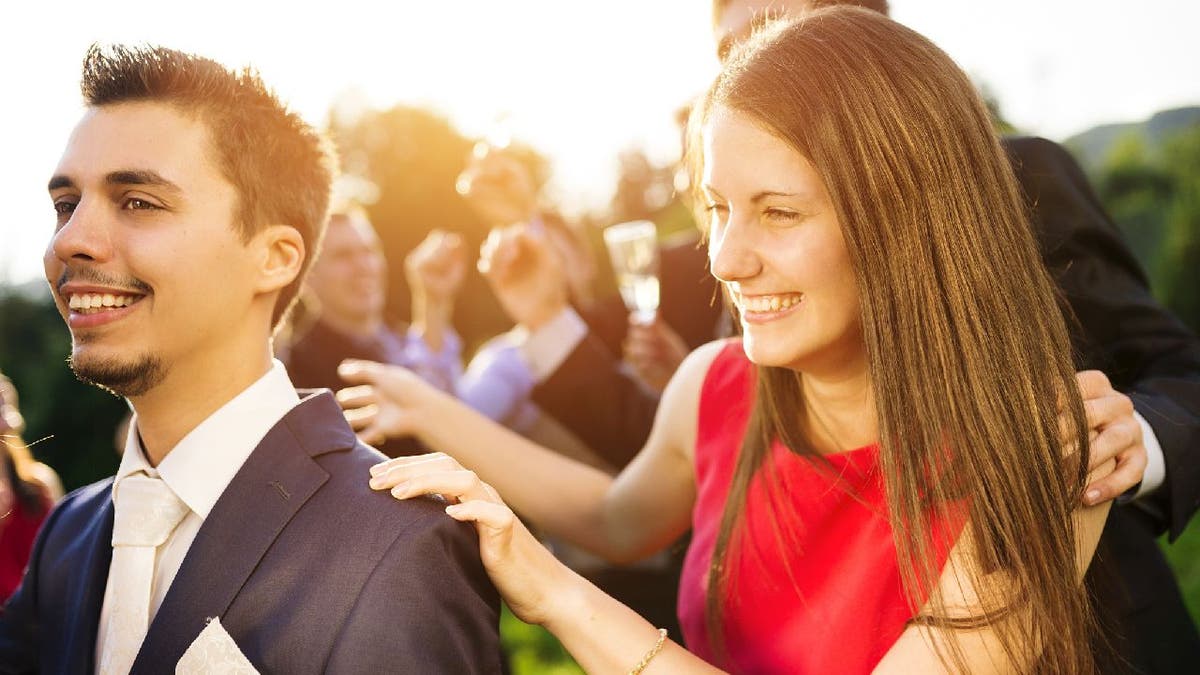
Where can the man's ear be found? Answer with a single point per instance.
(282, 257)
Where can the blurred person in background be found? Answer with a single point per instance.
(348, 285)
(27, 491)
(344, 312)
(12, 425)
(591, 371)
(880, 500)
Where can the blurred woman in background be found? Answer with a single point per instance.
(27, 491)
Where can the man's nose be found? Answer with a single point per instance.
(86, 236)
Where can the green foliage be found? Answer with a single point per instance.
(1134, 189)
(1181, 279)
(1154, 196)
(532, 650)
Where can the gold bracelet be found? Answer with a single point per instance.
(662, 638)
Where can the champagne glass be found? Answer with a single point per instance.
(633, 249)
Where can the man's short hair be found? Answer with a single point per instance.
(881, 6)
(281, 168)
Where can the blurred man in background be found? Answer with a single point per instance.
(348, 284)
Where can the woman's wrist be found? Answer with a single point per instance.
(569, 601)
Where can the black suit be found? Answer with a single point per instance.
(308, 569)
(1117, 327)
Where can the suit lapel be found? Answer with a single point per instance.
(88, 599)
(274, 483)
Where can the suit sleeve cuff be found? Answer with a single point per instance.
(1156, 464)
(546, 348)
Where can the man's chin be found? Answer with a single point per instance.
(123, 377)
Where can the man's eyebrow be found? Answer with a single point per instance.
(140, 177)
(59, 181)
(127, 177)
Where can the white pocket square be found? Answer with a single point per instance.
(214, 651)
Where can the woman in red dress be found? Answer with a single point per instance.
(874, 473)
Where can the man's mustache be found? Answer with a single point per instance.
(91, 275)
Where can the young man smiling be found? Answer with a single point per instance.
(189, 202)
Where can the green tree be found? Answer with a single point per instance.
(1135, 190)
(1181, 275)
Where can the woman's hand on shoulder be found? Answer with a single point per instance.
(532, 581)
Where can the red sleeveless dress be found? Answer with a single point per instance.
(815, 586)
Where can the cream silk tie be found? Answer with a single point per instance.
(147, 512)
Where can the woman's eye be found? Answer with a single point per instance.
(782, 215)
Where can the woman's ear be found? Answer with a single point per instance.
(282, 256)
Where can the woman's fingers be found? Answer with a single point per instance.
(495, 518)
(429, 474)
(441, 460)
(455, 486)
(355, 371)
(361, 418)
(356, 397)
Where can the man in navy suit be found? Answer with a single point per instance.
(189, 203)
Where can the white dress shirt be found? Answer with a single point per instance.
(545, 349)
(200, 467)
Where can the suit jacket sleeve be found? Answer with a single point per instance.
(1119, 327)
(593, 397)
(446, 620)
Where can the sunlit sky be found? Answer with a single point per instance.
(578, 80)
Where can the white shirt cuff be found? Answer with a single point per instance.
(1156, 463)
(545, 349)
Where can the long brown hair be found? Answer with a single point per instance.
(968, 351)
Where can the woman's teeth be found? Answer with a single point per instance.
(769, 303)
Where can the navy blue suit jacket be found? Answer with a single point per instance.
(307, 568)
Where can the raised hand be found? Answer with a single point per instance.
(435, 270)
(526, 274)
(437, 266)
(387, 401)
(497, 187)
(654, 351)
